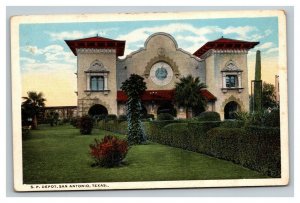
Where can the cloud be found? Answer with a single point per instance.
(76, 34)
(266, 45)
(49, 54)
(241, 31)
(190, 37)
(272, 50)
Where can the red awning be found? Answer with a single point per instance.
(161, 95)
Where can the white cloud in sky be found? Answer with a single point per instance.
(188, 36)
(77, 34)
(266, 45)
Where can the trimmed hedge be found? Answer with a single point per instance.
(257, 148)
(232, 124)
(208, 116)
(114, 126)
(165, 116)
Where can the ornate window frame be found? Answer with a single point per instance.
(97, 69)
(231, 69)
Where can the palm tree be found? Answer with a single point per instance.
(32, 105)
(187, 93)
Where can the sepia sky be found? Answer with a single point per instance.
(48, 65)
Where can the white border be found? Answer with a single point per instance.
(16, 95)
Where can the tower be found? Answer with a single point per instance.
(96, 74)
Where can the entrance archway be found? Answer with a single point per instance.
(167, 107)
(98, 110)
(230, 109)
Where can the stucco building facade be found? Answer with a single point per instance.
(220, 64)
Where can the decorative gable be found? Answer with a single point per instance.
(231, 67)
(97, 67)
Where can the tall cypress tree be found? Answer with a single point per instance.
(257, 84)
(134, 87)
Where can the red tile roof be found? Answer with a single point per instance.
(225, 44)
(97, 43)
(161, 95)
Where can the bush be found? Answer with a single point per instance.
(25, 132)
(147, 117)
(232, 124)
(272, 119)
(186, 135)
(208, 116)
(257, 148)
(122, 118)
(109, 152)
(111, 117)
(86, 125)
(75, 122)
(165, 116)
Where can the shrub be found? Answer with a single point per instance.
(186, 135)
(165, 116)
(232, 124)
(147, 117)
(109, 152)
(257, 148)
(208, 116)
(122, 118)
(86, 125)
(272, 119)
(111, 117)
(75, 122)
(25, 132)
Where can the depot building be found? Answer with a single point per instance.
(220, 64)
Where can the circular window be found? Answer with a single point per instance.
(161, 73)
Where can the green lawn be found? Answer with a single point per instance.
(60, 155)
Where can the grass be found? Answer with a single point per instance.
(60, 155)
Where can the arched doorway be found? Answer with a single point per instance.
(167, 107)
(230, 109)
(97, 111)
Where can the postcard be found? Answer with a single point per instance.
(149, 100)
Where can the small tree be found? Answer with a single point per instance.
(134, 87)
(268, 96)
(32, 106)
(187, 93)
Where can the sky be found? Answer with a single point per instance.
(48, 65)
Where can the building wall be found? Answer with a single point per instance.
(215, 64)
(142, 60)
(87, 99)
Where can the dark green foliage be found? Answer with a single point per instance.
(52, 118)
(185, 135)
(86, 125)
(165, 116)
(272, 118)
(208, 116)
(111, 117)
(187, 93)
(148, 117)
(114, 126)
(268, 96)
(75, 121)
(257, 148)
(257, 85)
(134, 87)
(122, 118)
(232, 124)
(31, 107)
(25, 133)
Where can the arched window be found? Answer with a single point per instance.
(97, 76)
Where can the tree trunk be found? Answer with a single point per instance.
(187, 112)
(34, 122)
